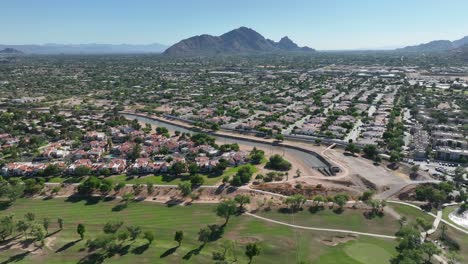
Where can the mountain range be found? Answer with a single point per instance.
(10, 51)
(242, 40)
(437, 46)
(87, 48)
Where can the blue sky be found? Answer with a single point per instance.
(321, 24)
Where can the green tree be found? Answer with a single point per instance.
(33, 186)
(111, 227)
(148, 235)
(295, 202)
(135, 153)
(38, 233)
(226, 209)
(193, 168)
(11, 190)
(256, 156)
(127, 198)
(242, 200)
(276, 162)
(119, 186)
(453, 257)
(409, 246)
(178, 237)
(22, 227)
(134, 231)
(162, 130)
(367, 195)
(204, 235)
(178, 168)
(122, 235)
(46, 224)
(279, 137)
(30, 216)
(60, 223)
(80, 229)
(185, 187)
(395, 156)
(370, 151)
(430, 250)
(414, 171)
(149, 188)
(106, 186)
(81, 171)
(197, 180)
(352, 148)
(51, 170)
(6, 227)
(89, 185)
(252, 250)
(340, 200)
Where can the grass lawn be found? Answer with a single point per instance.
(373, 252)
(231, 171)
(349, 219)
(158, 179)
(60, 179)
(279, 244)
(410, 212)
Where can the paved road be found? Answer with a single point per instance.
(321, 229)
(355, 132)
(298, 123)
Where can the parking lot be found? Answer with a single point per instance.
(436, 169)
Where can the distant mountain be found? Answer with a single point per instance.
(436, 46)
(10, 51)
(87, 48)
(461, 52)
(461, 42)
(238, 41)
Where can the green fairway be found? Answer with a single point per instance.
(349, 219)
(411, 213)
(367, 253)
(279, 244)
(366, 250)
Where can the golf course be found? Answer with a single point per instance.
(278, 243)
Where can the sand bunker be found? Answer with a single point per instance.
(461, 220)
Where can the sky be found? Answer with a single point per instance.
(320, 24)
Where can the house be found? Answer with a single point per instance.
(235, 157)
(94, 135)
(23, 169)
(78, 163)
(143, 165)
(116, 166)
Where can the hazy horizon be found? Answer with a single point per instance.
(323, 25)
